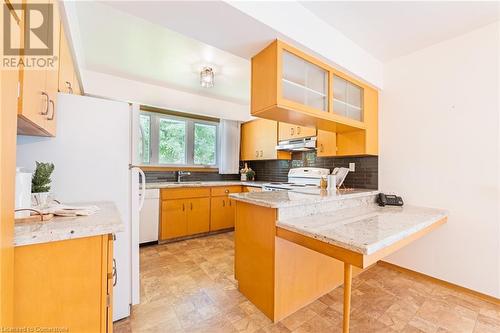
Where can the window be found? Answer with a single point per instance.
(178, 141)
(172, 142)
(205, 144)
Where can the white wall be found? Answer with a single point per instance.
(439, 147)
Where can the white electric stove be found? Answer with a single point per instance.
(299, 178)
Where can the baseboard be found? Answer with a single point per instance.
(450, 285)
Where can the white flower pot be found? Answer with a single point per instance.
(40, 200)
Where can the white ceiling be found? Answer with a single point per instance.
(137, 49)
(165, 43)
(391, 29)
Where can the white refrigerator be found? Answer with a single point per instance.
(93, 152)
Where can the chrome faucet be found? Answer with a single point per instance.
(179, 174)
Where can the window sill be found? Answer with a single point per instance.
(179, 168)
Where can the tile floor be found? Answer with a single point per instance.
(189, 287)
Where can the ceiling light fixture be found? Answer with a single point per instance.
(207, 77)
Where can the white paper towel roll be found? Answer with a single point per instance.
(23, 191)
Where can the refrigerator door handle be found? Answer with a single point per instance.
(143, 187)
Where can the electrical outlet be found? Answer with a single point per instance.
(352, 167)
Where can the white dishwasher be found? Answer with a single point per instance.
(149, 218)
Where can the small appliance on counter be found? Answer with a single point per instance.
(23, 192)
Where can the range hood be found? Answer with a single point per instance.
(305, 144)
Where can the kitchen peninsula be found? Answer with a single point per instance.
(292, 247)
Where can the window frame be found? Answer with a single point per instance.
(154, 157)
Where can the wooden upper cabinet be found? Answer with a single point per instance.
(68, 79)
(326, 144)
(290, 86)
(37, 104)
(259, 139)
(289, 131)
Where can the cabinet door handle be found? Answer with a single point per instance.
(115, 273)
(191, 204)
(70, 88)
(51, 117)
(47, 103)
(321, 148)
(183, 207)
(229, 202)
(226, 191)
(223, 203)
(291, 130)
(261, 154)
(298, 129)
(256, 153)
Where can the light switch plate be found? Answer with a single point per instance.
(352, 167)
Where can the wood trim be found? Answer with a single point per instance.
(484, 297)
(190, 169)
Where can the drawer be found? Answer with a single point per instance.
(225, 190)
(181, 193)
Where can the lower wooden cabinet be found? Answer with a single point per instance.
(223, 210)
(198, 216)
(184, 217)
(191, 211)
(65, 284)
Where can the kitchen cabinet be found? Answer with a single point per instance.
(184, 212)
(291, 86)
(222, 216)
(222, 207)
(67, 284)
(38, 88)
(290, 131)
(259, 139)
(68, 78)
(326, 143)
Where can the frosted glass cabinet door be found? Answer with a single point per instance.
(347, 99)
(304, 82)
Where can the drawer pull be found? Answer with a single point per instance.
(291, 130)
(51, 117)
(298, 129)
(69, 87)
(226, 191)
(115, 273)
(261, 154)
(46, 112)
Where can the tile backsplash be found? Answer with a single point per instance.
(168, 176)
(365, 176)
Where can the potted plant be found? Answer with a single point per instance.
(250, 174)
(40, 184)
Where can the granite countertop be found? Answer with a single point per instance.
(204, 184)
(299, 197)
(365, 230)
(105, 221)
